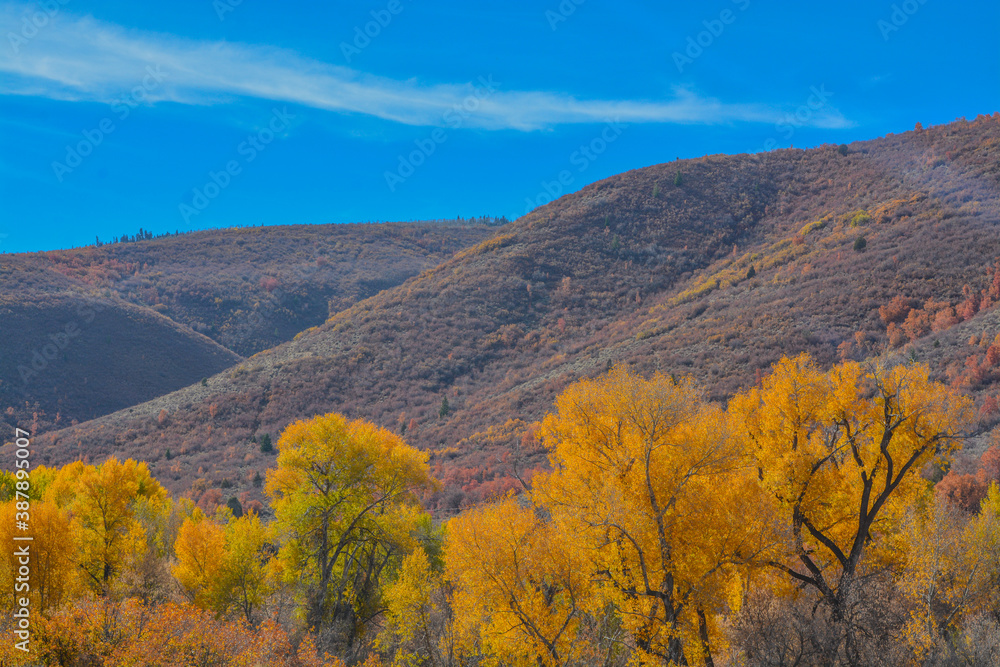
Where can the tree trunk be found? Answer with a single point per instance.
(706, 649)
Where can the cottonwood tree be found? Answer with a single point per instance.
(54, 575)
(245, 567)
(840, 453)
(946, 572)
(419, 624)
(224, 567)
(661, 500)
(117, 508)
(200, 549)
(345, 497)
(521, 588)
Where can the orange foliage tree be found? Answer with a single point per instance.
(840, 452)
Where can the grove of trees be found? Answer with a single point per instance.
(796, 525)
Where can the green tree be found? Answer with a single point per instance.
(346, 508)
(245, 577)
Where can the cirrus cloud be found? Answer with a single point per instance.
(79, 58)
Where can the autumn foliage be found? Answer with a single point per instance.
(690, 534)
(795, 525)
(123, 574)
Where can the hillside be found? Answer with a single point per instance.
(715, 273)
(152, 316)
(251, 288)
(70, 358)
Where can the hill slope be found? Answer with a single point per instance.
(251, 288)
(174, 310)
(72, 358)
(631, 269)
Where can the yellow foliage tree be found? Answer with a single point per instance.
(662, 501)
(520, 588)
(112, 506)
(419, 628)
(245, 576)
(952, 568)
(983, 540)
(200, 551)
(54, 575)
(223, 568)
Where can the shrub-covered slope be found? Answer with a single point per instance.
(148, 317)
(749, 257)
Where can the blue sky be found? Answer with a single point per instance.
(214, 113)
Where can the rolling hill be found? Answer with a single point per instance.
(713, 267)
(151, 316)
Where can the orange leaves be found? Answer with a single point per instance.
(967, 491)
(903, 318)
(993, 355)
(199, 549)
(964, 491)
(522, 588)
(131, 634)
(896, 310)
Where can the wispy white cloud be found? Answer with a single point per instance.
(81, 58)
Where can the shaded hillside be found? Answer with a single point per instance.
(252, 288)
(69, 357)
(163, 300)
(716, 273)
